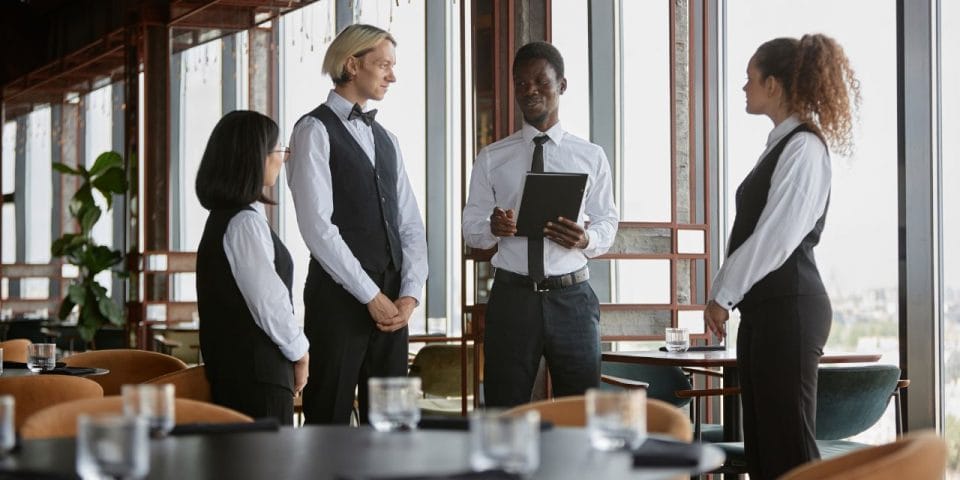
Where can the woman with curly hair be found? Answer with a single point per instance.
(808, 89)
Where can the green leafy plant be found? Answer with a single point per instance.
(95, 307)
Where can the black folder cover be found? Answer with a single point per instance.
(547, 196)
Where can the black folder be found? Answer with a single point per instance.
(547, 196)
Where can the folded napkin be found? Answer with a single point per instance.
(485, 475)
(15, 365)
(442, 422)
(259, 425)
(657, 452)
(70, 371)
(701, 348)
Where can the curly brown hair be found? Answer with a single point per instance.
(818, 83)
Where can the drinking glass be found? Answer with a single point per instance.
(154, 402)
(8, 438)
(1, 361)
(616, 419)
(41, 357)
(112, 446)
(678, 339)
(505, 442)
(393, 403)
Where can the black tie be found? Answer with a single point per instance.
(535, 242)
(365, 117)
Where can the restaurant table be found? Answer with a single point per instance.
(340, 452)
(727, 360)
(23, 372)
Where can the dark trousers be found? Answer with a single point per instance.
(256, 399)
(346, 348)
(561, 325)
(779, 346)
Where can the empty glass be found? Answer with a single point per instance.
(616, 419)
(1, 361)
(41, 357)
(154, 402)
(8, 438)
(505, 442)
(393, 403)
(112, 446)
(678, 339)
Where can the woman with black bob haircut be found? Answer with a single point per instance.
(253, 347)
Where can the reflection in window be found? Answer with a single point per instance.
(38, 198)
(857, 255)
(98, 138)
(571, 37)
(950, 150)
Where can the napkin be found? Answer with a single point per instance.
(656, 452)
(259, 425)
(701, 348)
(70, 371)
(486, 475)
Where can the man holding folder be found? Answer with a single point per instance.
(541, 303)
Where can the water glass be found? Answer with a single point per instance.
(41, 357)
(616, 419)
(393, 403)
(505, 442)
(8, 438)
(678, 339)
(112, 446)
(1, 361)
(154, 402)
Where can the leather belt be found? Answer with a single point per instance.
(547, 284)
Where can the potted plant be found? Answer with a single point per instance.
(94, 306)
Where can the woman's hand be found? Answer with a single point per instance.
(301, 370)
(716, 317)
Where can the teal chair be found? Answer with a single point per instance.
(664, 383)
(850, 400)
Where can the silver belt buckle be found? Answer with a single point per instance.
(538, 289)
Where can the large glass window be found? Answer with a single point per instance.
(572, 37)
(98, 138)
(950, 150)
(857, 255)
(8, 248)
(39, 199)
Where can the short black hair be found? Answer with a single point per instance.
(231, 170)
(538, 50)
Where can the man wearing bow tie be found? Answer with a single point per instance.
(359, 218)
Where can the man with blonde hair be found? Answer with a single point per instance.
(360, 221)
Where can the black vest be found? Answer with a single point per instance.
(233, 346)
(798, 275)
(365, 206)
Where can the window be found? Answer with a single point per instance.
(857, 255)
(38, 199)
(571, 37)
(8, 212)
(98, 138)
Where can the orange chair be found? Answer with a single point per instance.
(60, 420)
(571, 412)
(15, 350)
(125, 365)
(918, 456)
(36, 392)
(188, 383)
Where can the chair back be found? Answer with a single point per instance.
(15, 350)
(664, 380)
(439, 367)
(126, 366)
(852, 398)
(60, 420)
(188, 383)
(571, 412)
(36, 392)
(919, 455)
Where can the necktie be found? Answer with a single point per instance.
(535, 242)
(365, 117)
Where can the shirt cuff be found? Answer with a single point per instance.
(726, 299)
(296, 349)
(367, 292)
(411, 289)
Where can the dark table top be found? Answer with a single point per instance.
(23, 372)
(344, 452)
(719, 358)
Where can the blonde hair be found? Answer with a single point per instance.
(354, 41)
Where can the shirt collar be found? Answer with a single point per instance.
(340, 106)
(259, 208)
(785, 127)
(555, 133)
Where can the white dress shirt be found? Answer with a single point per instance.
(497, 181)
(249, 248)
(308, 174)
(799, 190)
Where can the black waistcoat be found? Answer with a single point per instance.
(233, 346)
(365, 206)
(798, 275)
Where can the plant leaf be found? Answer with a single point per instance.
(100, 258)
(66, 169)
(62, 245)
(81, 200)
(111, 311)
(113, 181)
(77, 294)
(89, 322)
(65, 308)
(89, 217)
(105, 161)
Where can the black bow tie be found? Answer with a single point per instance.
(365, 117)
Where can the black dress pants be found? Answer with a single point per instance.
(256, 399)
(346, 349)
(562, 325)
(779, 346)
